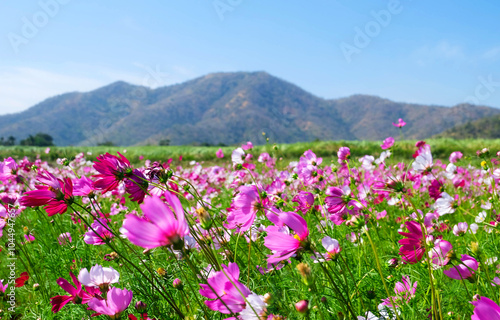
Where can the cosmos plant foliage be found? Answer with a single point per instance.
(253, 237)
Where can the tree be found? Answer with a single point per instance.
(39, 140)
(164, 142)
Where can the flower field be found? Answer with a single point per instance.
(249, 235)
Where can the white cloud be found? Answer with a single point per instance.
(492, 54)
(439, 52)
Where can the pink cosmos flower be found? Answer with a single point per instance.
(440, 254)
(224, 288)
(55, 194)
(464, 270)
(219, 154)
(117, 301)
(460, 228)
(343, 154)
(3, 287)
(244, 208)
(485, 309)
(404, 290)
(8, 169)
(400, 123)
(247, 146)
(77, 294)
(99, 231)
(282, 244)
(136, 185)
(111, 170)
(388, 143)
(305, 201)
(413, 246)
(83, 187)
(159, 226)
(64, 238)
(455, 156)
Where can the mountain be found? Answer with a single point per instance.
(226, 108)
(486, 128)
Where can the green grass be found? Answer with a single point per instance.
(441, 149)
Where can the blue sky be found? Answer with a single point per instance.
(423, 51)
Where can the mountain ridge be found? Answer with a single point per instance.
(227, 108)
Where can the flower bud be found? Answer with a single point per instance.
(268, 298)
(141, 307)
(36, 287)
(177, 284)
(302, 306)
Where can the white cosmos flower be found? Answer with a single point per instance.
(444, 205)
(237, 156)
(257, 310)
(98, 276)
(423, 162)
(481, 217)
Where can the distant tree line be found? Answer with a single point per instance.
(39, 140)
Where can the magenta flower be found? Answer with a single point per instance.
(388, 143)
(136, 185)
(55, 194)
(224, 288)
(305, 201)
(282, 244)
(244, 208)
(111, 170)
(117, 301)
(83, 187)
(464, 270)
(76, 294)
(99, 233)
(343, 154)
(485, 309)
(404, 290)
(455, 156)
(441, 252)
(413, 246)
(219, 154)
(3, 287)
(400, 123)
(247, 146)
(159, 226)
(8, 169)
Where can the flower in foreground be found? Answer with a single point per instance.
(464, 270)
(412, 247)
(282, 244)
(485, 309)
(76, 294)
(159, 226)
(55, 194)
(227, 292)
(98, 276)
(111, 170)
(117, 301)
(244, 208)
